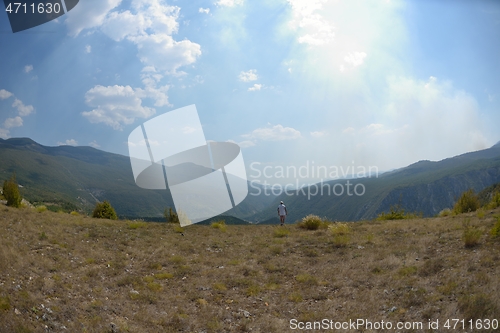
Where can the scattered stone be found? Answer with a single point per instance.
(17, 312)
(393, 309)
(245, 313)
(360, 247)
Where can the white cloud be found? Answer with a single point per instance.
(116, 105)
(313, 27)
(88, 48)
(4, 133)
(246, 144)
(248, 76)
(274, 133)
(243, 144)
(423, 120)
(94, 144)
(318, 134)
(163, 52)
(348, 130)
(204, 10)
(355, 58)
(69, 142)
(255, 87)
(229, 3)
(149, 25)
(28, 68)
(24, 110)
(89, 14)
(4, 94)
(13, 122)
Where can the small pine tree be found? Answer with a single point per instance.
(170, 216)
(11, 192)
(104, 210)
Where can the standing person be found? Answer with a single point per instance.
(282, 212)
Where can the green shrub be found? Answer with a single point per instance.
(468, 202)
(471, 235)
(170, 216)
(445, 212)
(341, 240)
(11, 192)
(104, 210)
(221, 225)
(311, 222)
(339, 228)
(495, 231)
(495, 201)
(41, 208)
(397, 213)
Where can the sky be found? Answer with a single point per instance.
(365, 83)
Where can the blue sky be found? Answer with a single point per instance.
(365, 83)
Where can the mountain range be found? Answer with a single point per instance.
(424, 187)
(75, 178)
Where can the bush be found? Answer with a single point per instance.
(471, 235)
(397, 213)
(495, 231)
(311, 222)
(170, 216)
(221, 225)
(11, 192)
(468, 202)
(445, 212)
(41, 208)
(495, 201)
(339, 229)
(104, 210)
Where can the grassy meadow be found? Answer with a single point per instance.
(71, 273)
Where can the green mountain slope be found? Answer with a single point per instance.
(426, 187)
(77, 177)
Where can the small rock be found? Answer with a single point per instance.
(17, 312)
(360, 247)
(245, 313)
(393, 309)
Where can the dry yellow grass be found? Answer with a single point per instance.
(65, 273)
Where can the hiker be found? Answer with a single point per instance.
(282, 212)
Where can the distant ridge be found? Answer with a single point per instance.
(425, 187)
(75, 178)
